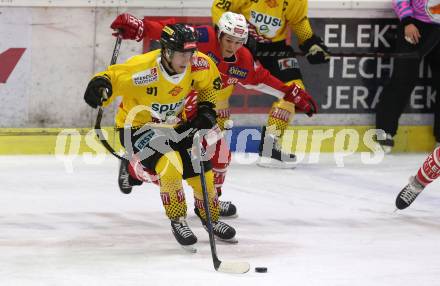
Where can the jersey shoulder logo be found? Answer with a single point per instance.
(199, 64)
(271, 3)
(175, 91)
(145, 77)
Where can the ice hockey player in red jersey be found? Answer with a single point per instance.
(428, 172)
(224, 45)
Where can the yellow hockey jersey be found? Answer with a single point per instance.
(269, 17)
(149, 94)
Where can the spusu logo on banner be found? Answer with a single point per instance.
(349, 84)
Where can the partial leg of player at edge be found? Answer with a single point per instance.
(428, 172)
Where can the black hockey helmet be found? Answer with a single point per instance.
(178, 37)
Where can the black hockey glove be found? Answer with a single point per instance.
(316, 51)
(94, 92)
(206, 116)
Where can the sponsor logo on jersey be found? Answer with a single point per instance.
(223, 113)
(180, 196)
(288, 63)
(163, 111)
(166, 200)
(237, 72)
(145, 77)
(271, 3)
(231, 81)
(264, 29)
(213, 58)
(143, 141)
(175, 91)
(228, 80)
(267, 25)
(199, 64)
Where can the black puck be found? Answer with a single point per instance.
(261, 269)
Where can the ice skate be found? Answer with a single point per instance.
(183, 234)
(223, 231)
(125, 181)
(385, 141)
(409, 193)
(124, 177)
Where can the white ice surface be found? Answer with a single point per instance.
(315, 225)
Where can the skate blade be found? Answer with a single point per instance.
(189, 248)
(275, 164)
(229, 241)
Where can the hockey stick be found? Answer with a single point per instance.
(221, 266)
(98, 129)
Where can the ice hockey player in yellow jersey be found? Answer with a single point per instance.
(152, 124)
(269, 22)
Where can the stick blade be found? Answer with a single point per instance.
(233, 267)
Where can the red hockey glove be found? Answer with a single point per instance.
(129, 27)
(302, 100)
